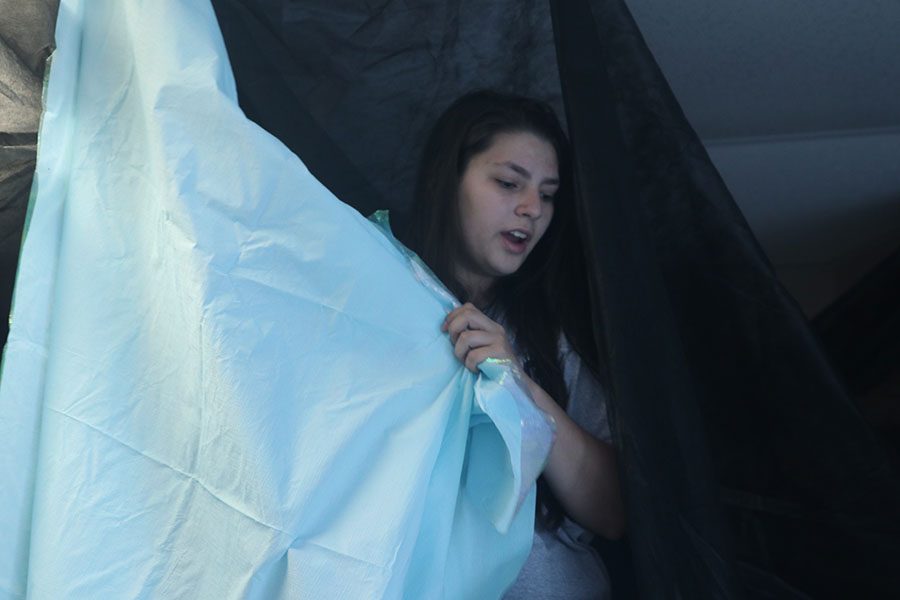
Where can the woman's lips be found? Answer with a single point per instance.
(514, 244)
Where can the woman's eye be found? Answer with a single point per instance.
(506, 185)
(547, 197)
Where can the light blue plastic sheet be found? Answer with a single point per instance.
(222, 382)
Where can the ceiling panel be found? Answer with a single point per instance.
(778, 66)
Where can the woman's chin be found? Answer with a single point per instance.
(508, 266)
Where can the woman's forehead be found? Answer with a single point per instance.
(523, 152)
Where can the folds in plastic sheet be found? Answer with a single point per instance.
(221, 381)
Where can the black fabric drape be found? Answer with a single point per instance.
(26, 39)
(809, 495)
(676, 529)
(861, 329)
(860, 332)
(807, 491)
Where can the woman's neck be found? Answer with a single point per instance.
(480, 290)
(481, 301)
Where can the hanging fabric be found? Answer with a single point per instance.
(809, 497)
(221, 381)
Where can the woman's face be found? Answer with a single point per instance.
(505, 205)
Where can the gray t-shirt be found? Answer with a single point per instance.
(562, 564)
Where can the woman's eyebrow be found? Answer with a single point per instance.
(525, 173)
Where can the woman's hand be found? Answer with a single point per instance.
(581, 469)
(476, 337)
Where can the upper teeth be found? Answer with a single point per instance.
(518, 234)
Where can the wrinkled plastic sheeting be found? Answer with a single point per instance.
(222, 382)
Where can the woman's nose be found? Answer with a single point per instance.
(530, 204)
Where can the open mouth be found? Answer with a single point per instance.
(518, 234)
(516, 240)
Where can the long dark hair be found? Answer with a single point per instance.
(539, 300)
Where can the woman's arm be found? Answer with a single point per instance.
(581, 469)
(582, 472)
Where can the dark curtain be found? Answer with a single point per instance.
(861, 334)
(861, 329)
(26, 39)
(748, 470)
(710, 356)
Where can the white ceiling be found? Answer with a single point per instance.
(798, 103)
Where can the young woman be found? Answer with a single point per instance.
(492, 216)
